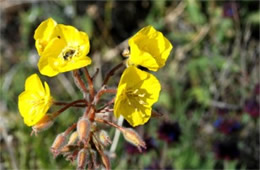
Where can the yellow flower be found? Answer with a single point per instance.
(43, 34)
(34, 102)
(61, 48)
(149, 48)
(137, 92)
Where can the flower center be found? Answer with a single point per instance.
(69, 52)
(135, 97)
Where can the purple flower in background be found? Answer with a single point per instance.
(226, 150)
(252, 107)
(169, 132)
(230, 9)
(227, 126)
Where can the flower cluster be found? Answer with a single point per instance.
(63, 48)
(139, 90)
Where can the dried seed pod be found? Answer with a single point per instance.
(131, 136)
(82, 159)
(73, 138)
(104, 138)
(43, 124)
(83, 129)
(58, 143)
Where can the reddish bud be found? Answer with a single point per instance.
(42, 125)
(82, 158)
(104, 138)
(83, 129)
(73, 138)
(57, 144)
(131, 136)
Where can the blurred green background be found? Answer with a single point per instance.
(210, 84)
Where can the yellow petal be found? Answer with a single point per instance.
(134, 116)
(65, 51)
(68, 33)
(149, 48)
(34, 102)
(33, 83)
(43, 34)
(45, 29)
(137, 92)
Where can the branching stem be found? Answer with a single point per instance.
(90, 83)
(54, 115)
(111, 72)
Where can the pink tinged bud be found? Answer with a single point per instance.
(42, 125)
(83, 129)
(82, 159)
(73, 138)
(58, 143)
(131, 136)
(104, 138)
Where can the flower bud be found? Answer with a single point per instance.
(83, 129)
(105, 161)
(73, 138)
(126, 53)
(42, 125)
(82, 158)
(68, 148)
(104, 138)
(58, 143)
(93, 154)
(104, 157)
(131, 136)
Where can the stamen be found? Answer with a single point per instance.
(136, 90)
(142, 102)
(141, 95)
